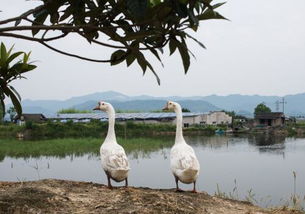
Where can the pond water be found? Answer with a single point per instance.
(258, 167)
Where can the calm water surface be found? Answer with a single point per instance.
(260, 166)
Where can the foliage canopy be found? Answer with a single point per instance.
(130, 27)
(10, 72)
(261, 108)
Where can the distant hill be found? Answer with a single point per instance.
(242, 104)
(151, 105)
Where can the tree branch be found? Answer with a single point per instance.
(45, 27)
(73, 55)
(57, 27)
(32, 38)
(102, 43)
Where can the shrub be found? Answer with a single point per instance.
(29, 125)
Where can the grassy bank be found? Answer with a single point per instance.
(96, 129)
(68, 146)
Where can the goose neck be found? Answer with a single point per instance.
(179, 121)
(111, 121)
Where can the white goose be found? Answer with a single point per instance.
(113, 157)
(183, 161)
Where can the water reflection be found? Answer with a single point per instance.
(267, 143)
(137, 148)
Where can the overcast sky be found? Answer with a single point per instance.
(260, 51)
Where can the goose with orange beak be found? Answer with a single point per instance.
(183, 161)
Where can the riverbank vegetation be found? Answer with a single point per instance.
(96, 129)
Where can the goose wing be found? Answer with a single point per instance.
(114, 159)
(184, 158)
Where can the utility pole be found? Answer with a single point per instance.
(277, 106)
(283, 102)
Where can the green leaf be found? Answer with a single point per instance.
(14, 100)
(153, 71)
(193, 19)
(218, 5)
(155, 2)
(210, 14)
(14, 90)
(198, 42)
(184, 55)
(67, 13)
(29, 68)
(13, 56)
(137, 35)
(163, 12)
(173, 44)
(180, 9)
(39, 20)
(130, 59)
(10, 51)
(118, 57)
(3, 52)
(26, 57)
(142, 61)
(137, 7)
(54, 17)
(156, 55)
(144, 64)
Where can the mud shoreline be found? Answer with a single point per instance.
(62, 196)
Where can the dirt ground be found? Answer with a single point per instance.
(61, 196)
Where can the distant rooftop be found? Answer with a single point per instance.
(269, 115)
(121, 116)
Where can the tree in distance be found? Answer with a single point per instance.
(261, 108)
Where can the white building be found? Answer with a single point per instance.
(216, 118)
(211, 118)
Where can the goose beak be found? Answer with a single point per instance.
(165, 108)
(97, 108)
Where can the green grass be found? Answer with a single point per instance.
(95, 129)
(296, 202)
(9, 130)
(73, 111)
(68, 146)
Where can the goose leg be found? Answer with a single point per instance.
(126, 182)
(109, 181)
(194, 188)
(177, 187)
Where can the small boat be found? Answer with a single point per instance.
(219, 132)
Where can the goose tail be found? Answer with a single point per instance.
(120, 174)
(191, 172)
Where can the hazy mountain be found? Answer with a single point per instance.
(36, 109)
(243, 104)
(55, 105)
(150, 105)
